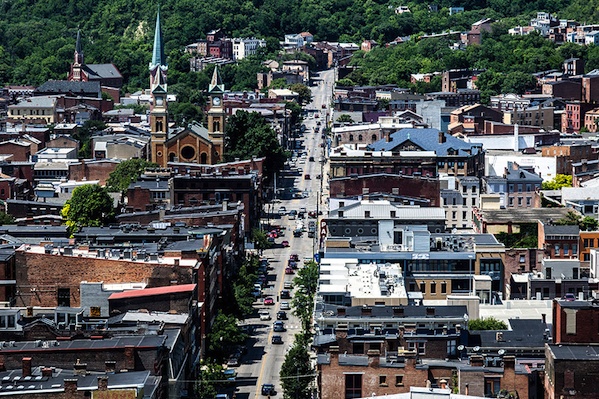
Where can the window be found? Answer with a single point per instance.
(454, 215)
(358, 348)
(474, 189)
(473, 201)
(519, 201)
(399, 380)
(451, 347)
(63, 297)
(445, 201)
(492, 386)
(351, 137)
(443, 287)
(383, 380)
(433, 288)
(464, 189)
(464, 215)
(511, 201)
(575, 273)
(566, 249)
(393, 214)
(423, 287)
(528, 201)
(556, 249)
(464, 201)
(366, 214)
(418, 347)
(522, 258)
(353, 386)
(548, 273)
(519, 188)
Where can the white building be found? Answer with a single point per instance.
(245, 47)
(294, 40)
(497, 161)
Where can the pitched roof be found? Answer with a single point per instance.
(65, 86)
(171, 289)
(103, 71)
(427, 140)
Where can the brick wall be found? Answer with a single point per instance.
(47, 273)
(91, 171)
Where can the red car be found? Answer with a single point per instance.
(269, 301)
(285, 244)
(288, 270)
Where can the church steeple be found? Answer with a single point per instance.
(158, 57)
(78, 51)
(159, 106)
(216, 82)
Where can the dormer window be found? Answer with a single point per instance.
(340, 213)
(366, 214)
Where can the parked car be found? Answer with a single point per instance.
(294, 257)
(269, 301)
(285, 294)
(233, 361)
(268, 389)
(292, 214)
(297, 232)
(306, 177)
(303, 209)
(281, 315)
(277, 339)
(311, 159)
(285, 243)
(285, 306)
(292, 264)
(279, 326)
(282, 211)
(570, 297)
(288, 285)
(288, 270)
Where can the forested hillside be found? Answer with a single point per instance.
(37, 38)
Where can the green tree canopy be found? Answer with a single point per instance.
(297, 373)
(305, 94)
(225, 335)
(345, 118)
(90, 205)
(558, 182)
(248, 135)
(489, 323)
(125, 173)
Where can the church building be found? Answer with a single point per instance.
(194, 143)
(108, 75)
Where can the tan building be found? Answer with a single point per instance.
(40, 110)
(591, 120)
(531, 116)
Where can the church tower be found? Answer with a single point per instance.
(216, 115)
(159, 106)
(76, 73)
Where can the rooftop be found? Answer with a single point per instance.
(427, 140)
(585, 352)
(172, 289)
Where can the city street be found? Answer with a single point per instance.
(263, 361)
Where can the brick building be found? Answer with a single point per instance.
(573, 116)
(558, 242)
(571, 371)
(92, 170)
(175, 298)
(567, 155)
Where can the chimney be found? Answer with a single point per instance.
(476, 361)
(509, 362)
(26, 367)
(80, 368)
(110, 366)
(70, 387)
(177, 262)
(129, 357)
(388, 137)
(443, 384)
(374, 357)
(46, 372)
(516, 138)
(442, 137)
(102, 383)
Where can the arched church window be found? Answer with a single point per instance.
(204, 158)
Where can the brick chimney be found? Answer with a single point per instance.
(476, 361)
(442, 137)
(509, 362)
(26, 367)
(102, 383)
(70, 388)
(46, 372)
(129, 357)
(374, 357)
(80, 368)
(110, 366)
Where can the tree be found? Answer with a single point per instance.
(224, 335)
(126, 173)
(90, 205)
(184, 113)
(303, 300)
(260, 239)
(304, 92)
(84, 135)
(345, 118)
(558, 182)
(489, 323)
(6, 218)
(210, 375)
(296, 373)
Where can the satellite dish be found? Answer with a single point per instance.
(461, 347)
(476, 348)
(501, 352)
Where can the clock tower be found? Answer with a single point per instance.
(159, 106)
(216, 114)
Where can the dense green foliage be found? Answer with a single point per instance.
(248, 135)
(558, 182)
(224, 335)
(243, 286)
(489, 323)
(90, 205)
(527, 237)
(303, 299)
(125, 173)
(297, 373)
(37, 39)
(586, 223)
(209, 379)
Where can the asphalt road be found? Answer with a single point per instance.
(263, 361)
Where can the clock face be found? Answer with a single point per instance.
(159, 101)
(216, 101)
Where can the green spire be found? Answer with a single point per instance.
(158, 57)
(78, 44)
